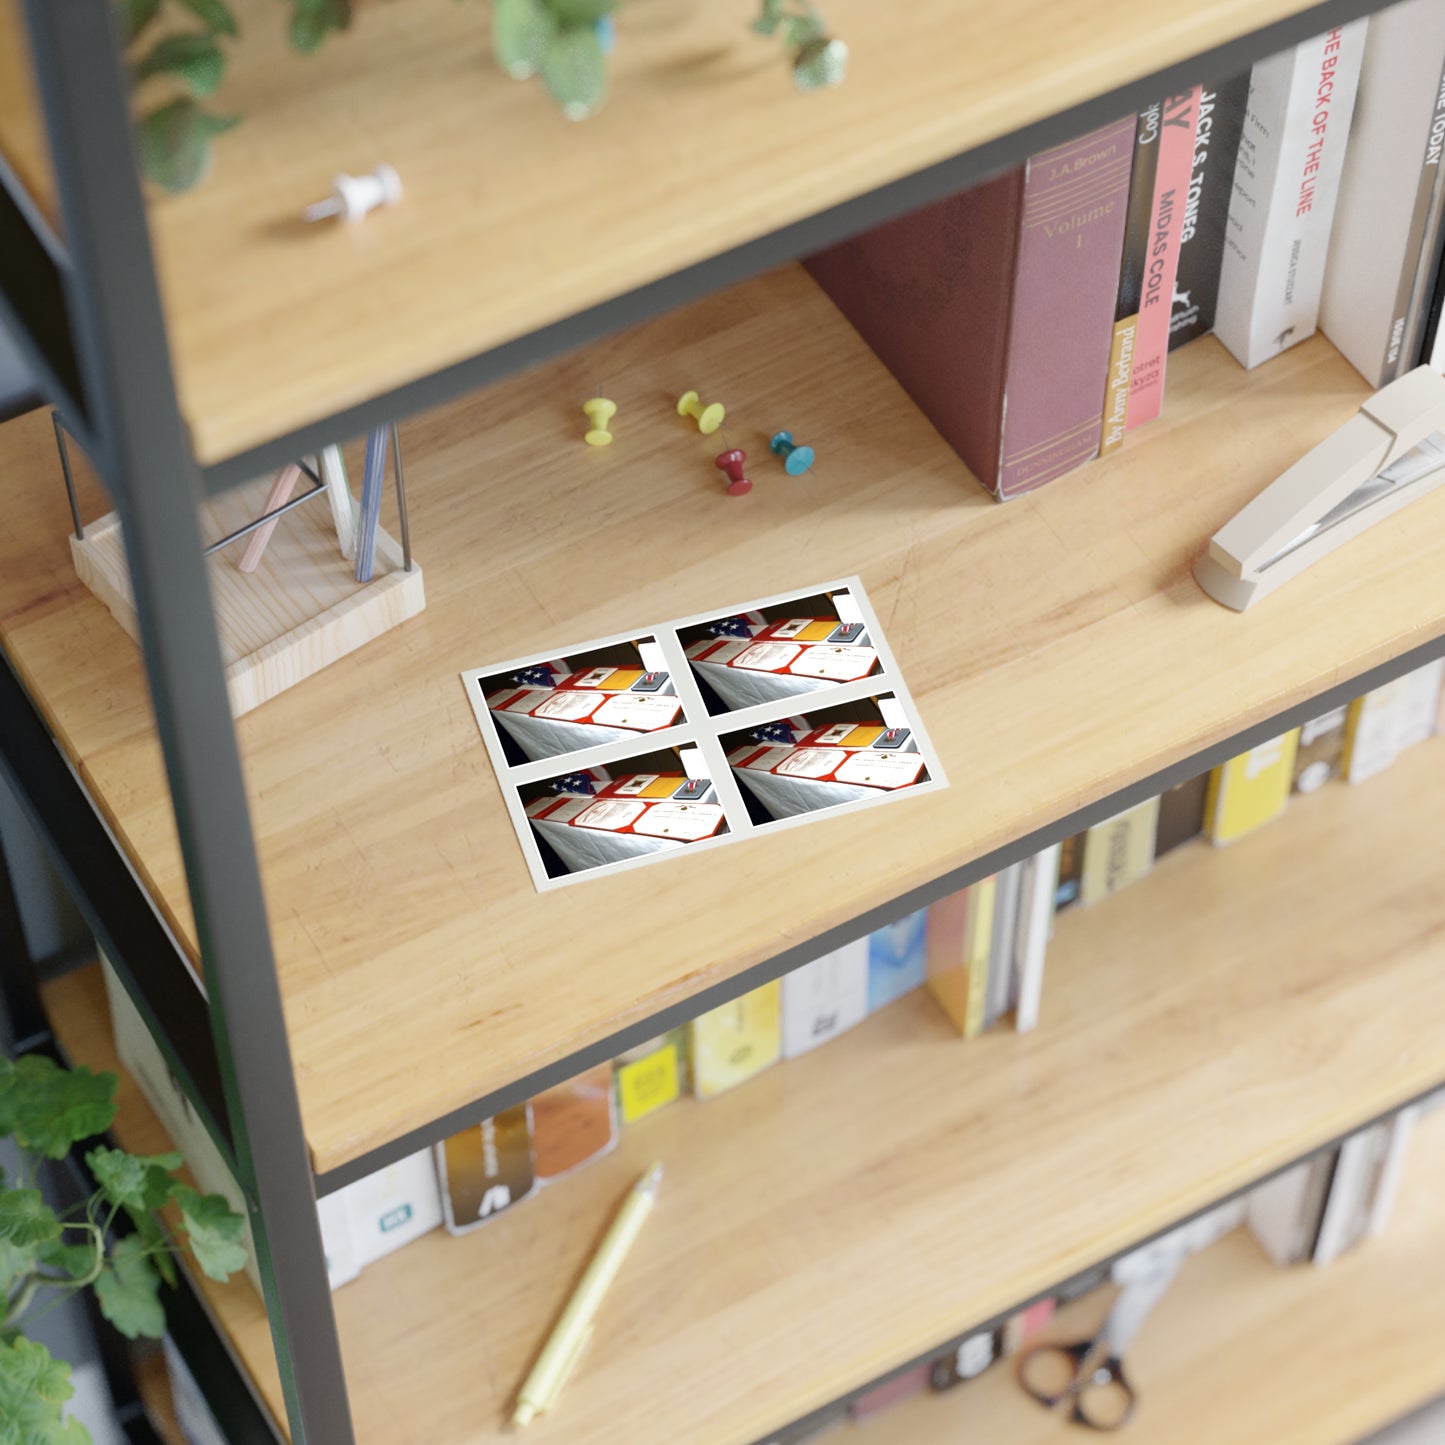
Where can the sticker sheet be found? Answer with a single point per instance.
(700, 732)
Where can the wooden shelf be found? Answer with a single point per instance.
(847, 1211)
(22, 130)
(1057, 649)
(515, 218)
(1242, 1351)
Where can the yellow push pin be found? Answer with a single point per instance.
(709, 418)
(599, 411)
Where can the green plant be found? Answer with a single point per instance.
(45, 1256)
(174, 135)
(818, 59)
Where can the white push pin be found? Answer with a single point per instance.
(353, 196)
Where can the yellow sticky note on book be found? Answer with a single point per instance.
(1251, 790)
(648, 1083)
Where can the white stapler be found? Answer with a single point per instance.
(1390, 453)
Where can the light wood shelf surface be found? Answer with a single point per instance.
(22, 130)
(514, 217)
(1240, 1350)
(1056, 647)
(848, 1211)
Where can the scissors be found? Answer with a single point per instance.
(1089, 1374)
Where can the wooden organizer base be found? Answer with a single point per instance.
(299, 611)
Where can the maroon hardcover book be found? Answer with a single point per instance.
(995, 307)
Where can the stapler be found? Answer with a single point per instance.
(1391, 452)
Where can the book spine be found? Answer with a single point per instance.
(1414, 273)
(978, 946)
(1001, 949)
(947, 954)
(1139, 216)
(1206, 211)
(1070, 234)
(1286, 181)
(1118, 851)
(1036, 914)
(1392, 1168)
(1177, 130)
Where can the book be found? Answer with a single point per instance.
(1286, 180)
(1181, 814)
(1002, 978)
(486, 1169)
(651, 1075)
(1171, 190)
(897, 959)
(1387, 191)
(1118, 851)
(1385, 721)
(1251, 790)
(1321, 750)
(993, 307)
(1071, 868)
(825, 998)
(573, 1123)
(1342, 1224)
(737, 1040)
(1400, 1130)
(1284, 1213)
(960, 938)
(1129, 292)
(1038, 889)
(1206, 209)
(966, 1362)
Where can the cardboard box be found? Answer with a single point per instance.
(737, 1040)
(825, 998)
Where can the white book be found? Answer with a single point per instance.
(1286, 181)
(1284, 1214)
(1389, 719)
(1001, 978)
(1400, 1129)
(1352, 1178)
(1036, 923)
(825, 998)
(1387, 192)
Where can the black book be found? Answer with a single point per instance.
(1206, 211)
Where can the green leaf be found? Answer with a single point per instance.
(215, 15)
(195, 60)
(51, 1108)
(133, 1180)
(175, 145)
(820, 63)
(522, 31)
(33, 1390)
(574, 70)
(25, 1218)
(313, 20)
(135, 15)
(128, 1290)
(214, 1229)
(74, 1261)
(16, 1261)
(804, 30)
(156, 1241)
(581, 12)
(769, 17)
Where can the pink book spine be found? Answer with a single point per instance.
(1171, 191)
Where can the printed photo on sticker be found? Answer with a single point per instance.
(553, 706)
(792, 649)
(826, 758)
(647, 805)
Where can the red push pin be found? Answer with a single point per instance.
(731, 462)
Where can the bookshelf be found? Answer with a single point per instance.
(797, 1224)
(1309, 1341)
(1086, 658)
(1060, 655)
(495, 241)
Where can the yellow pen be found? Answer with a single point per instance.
(569, 1337)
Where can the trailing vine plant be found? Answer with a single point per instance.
(46, 1256)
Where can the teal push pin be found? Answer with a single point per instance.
(796, 460)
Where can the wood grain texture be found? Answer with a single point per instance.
(846, 1211)
(1242, 1351)
(22, 128)
(1057, 647)
(298, 611)
(514, 217)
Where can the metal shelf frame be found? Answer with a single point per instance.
(87, 313)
